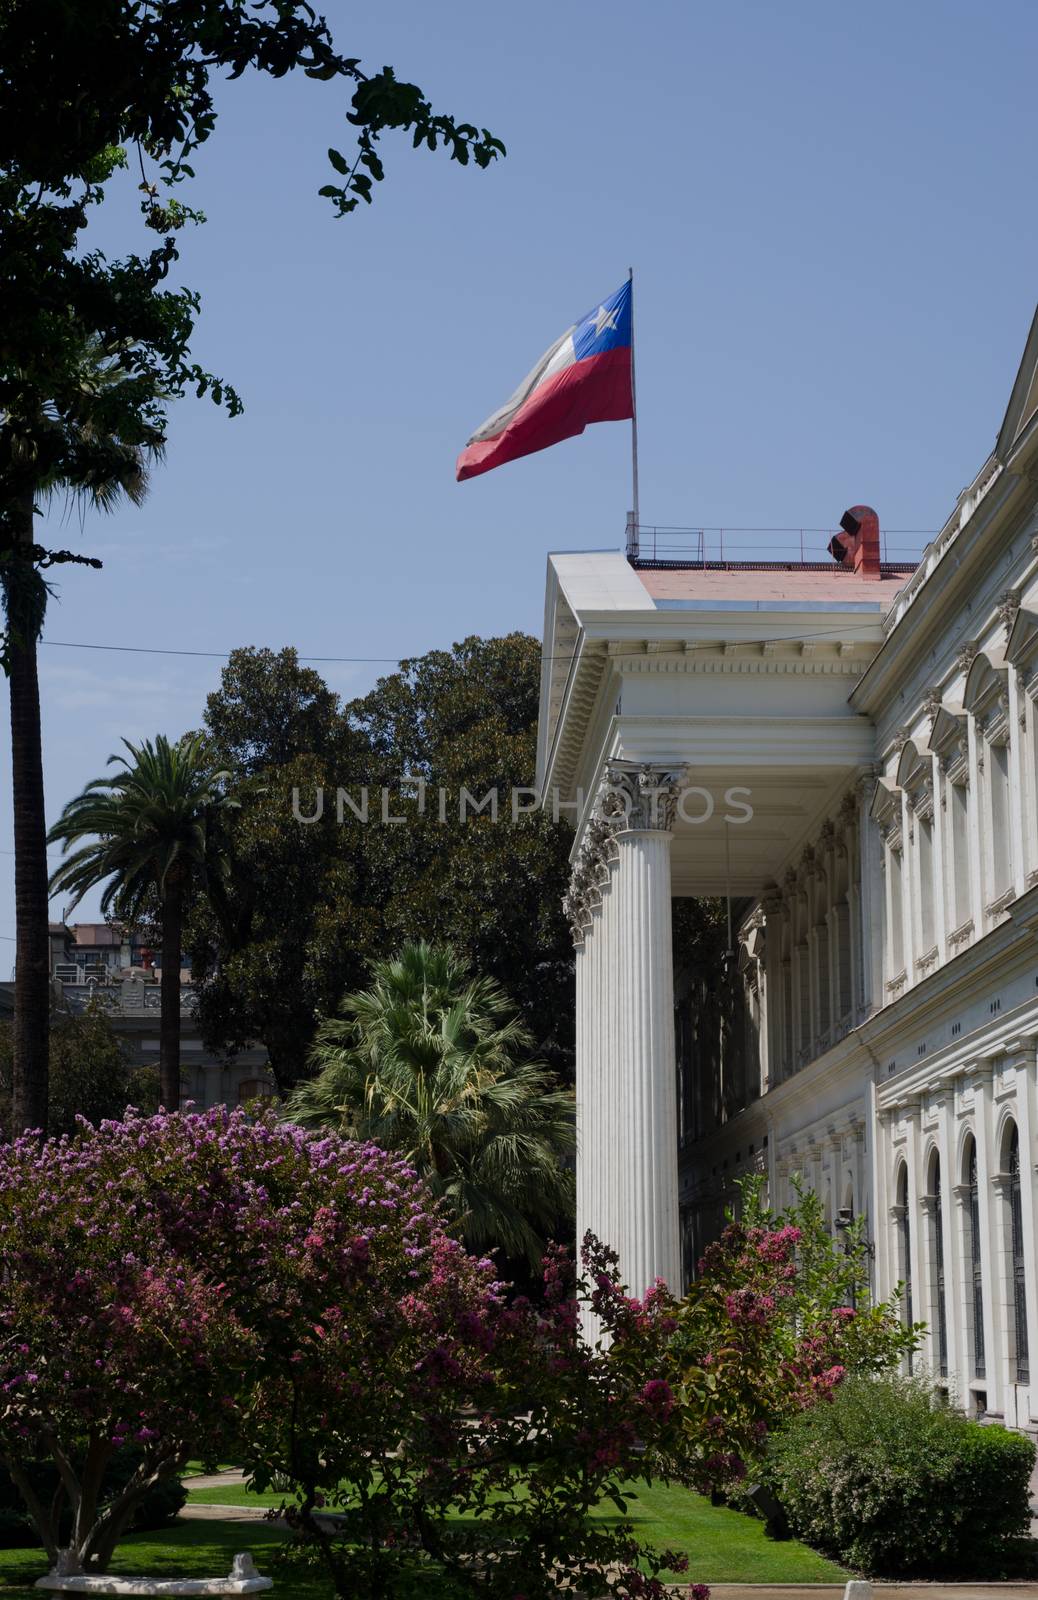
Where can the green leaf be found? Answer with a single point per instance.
(338, 161)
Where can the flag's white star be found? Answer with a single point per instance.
(604, 319)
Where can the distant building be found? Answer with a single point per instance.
(98, 960)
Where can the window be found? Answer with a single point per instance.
(787, 1017)
(940, 1310)
(975, 1256)
(924, 836)
(959, 866)
(1021, 1360)
(895, 937)
(1001, 861)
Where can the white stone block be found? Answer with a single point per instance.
(242, 1579)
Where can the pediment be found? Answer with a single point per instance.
(1022, 648)
(949, 730)
(987, 695)
(949, 740)
(885, 810)
(1023, 402)
(986, 681)
(912, 767)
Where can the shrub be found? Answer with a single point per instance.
(889, 1479)
(776, 1318)
(160, 1269)
(185, 1285)
(468, 1439)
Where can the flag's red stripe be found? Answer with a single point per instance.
(597, 389)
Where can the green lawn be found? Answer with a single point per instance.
(191, 1549)
(723, 1546)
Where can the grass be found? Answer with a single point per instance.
(723, 1546)
(191, 1549)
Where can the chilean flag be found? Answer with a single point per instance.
(585, 376)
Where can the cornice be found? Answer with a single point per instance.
(628, 662)
(1001, 515)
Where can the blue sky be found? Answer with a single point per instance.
(829, 213)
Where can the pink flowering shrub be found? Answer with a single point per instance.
(223, 1283)
(472, 1435)
(160, 1272)
(778, 1315)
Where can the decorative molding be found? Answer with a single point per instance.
(637, 797)
(1008, 607)
(932, 701)
(966, 655)
(590, 874)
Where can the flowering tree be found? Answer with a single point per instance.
(192, 1284)
(160, 1270)
(473, 1435)
(778, 1314)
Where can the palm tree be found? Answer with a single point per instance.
(150, 830)
(427, 1061)
(113, 447)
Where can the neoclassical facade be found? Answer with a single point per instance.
(846, 753)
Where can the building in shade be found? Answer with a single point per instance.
(845, 748)
(119, 970)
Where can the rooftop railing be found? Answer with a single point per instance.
(662, 545)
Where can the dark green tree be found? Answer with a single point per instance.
(86, 91)
(269, 709)
(432, 1061)
(467, 718)
(148, 833)
(305, 906)
(90, 1073)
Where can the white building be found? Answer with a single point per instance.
(875, 731)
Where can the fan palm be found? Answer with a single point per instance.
(98, 421)
(149, 829)
(428, 1061)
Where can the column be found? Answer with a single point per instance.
(648, 1234)
(585, 906)
(885, 1273)
(773, 990)
(612, 1133)
(917, 1236)
(1025, 1118)
(1017, 723)
(871, 897)
(581, 961)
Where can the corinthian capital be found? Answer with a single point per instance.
(640, 795)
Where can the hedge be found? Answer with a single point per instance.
(887, 1478)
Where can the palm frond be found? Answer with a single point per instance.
(428, 1060)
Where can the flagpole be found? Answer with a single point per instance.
(633, 518)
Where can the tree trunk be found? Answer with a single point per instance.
(32, 962)
(169, 997)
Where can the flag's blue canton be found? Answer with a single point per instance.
(604, 327)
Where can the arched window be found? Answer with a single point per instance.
(937, 1291)
(904, 1230)
(975, 1257)
(1016, 1225)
